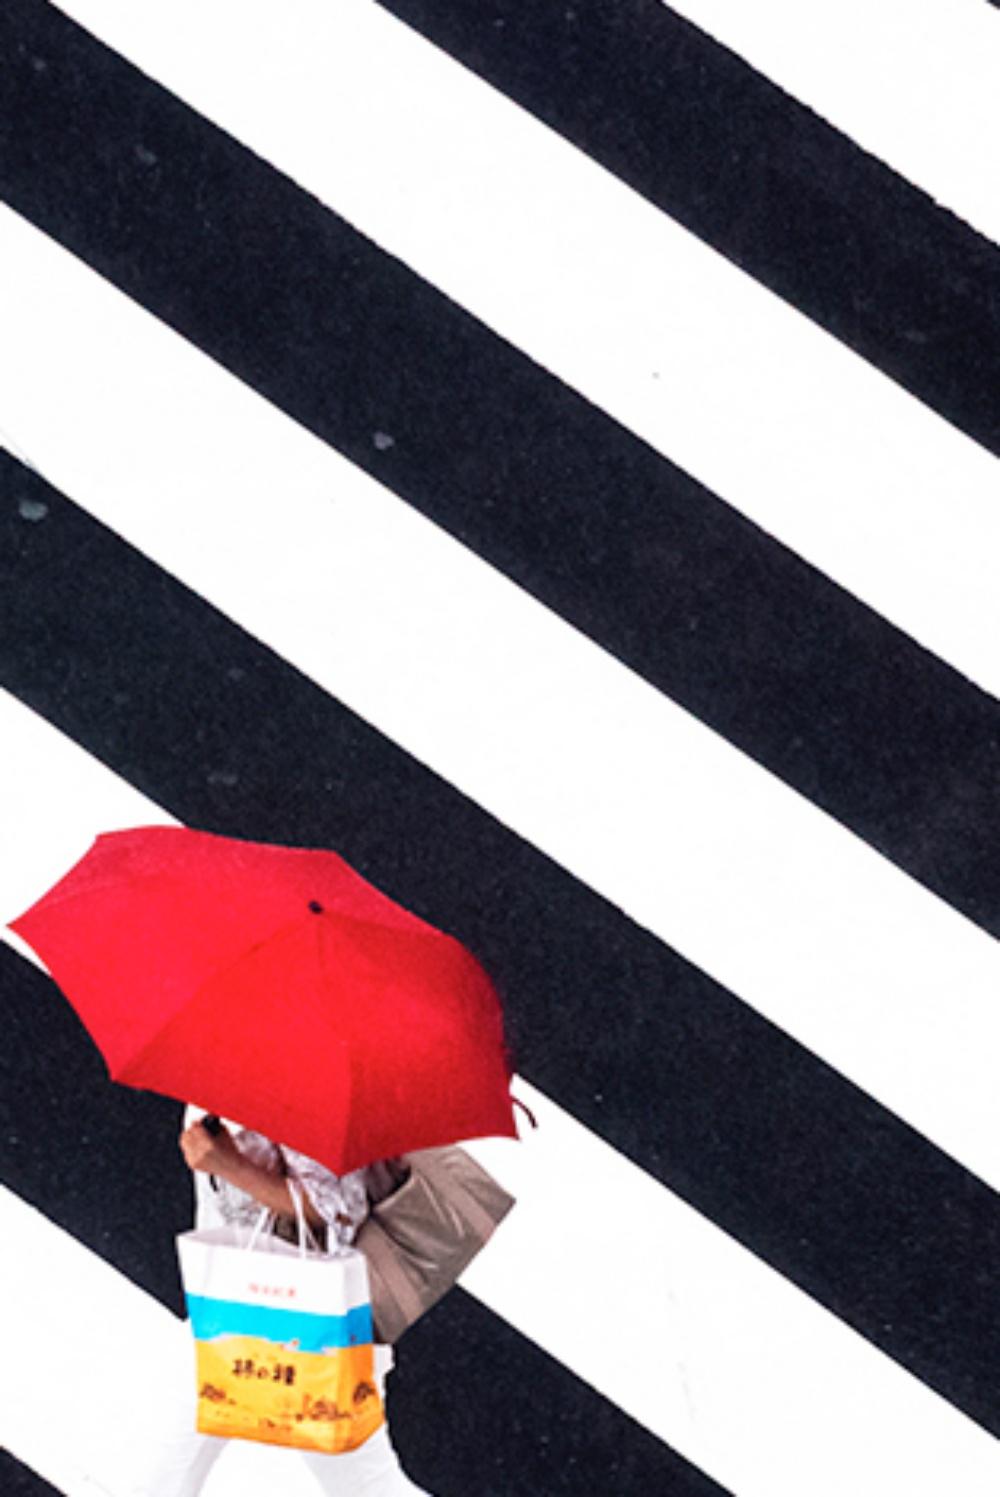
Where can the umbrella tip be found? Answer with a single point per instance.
(315, 906)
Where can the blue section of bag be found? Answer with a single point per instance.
(294, 1329)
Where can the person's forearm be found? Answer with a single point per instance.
(270, 1190)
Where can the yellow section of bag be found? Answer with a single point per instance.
(253, 1389)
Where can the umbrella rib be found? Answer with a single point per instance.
(57, 897)
(221, 972)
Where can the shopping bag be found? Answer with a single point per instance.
(283, 1339)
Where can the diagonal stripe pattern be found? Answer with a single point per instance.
(803, 1259)
(725, 622)
(677, 350)
(768, 896)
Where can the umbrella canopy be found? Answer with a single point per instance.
(277, 986)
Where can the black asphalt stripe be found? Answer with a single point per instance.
(17, 1480)
(102, 1162)
(673, 1071)
(755, 174)
(756, 644)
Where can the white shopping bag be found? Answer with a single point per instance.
(283, 1339)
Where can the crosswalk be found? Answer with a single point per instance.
(674, 350)
(398, 460)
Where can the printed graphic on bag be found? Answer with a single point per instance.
(285, 1377)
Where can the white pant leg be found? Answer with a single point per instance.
(382, 1475)
(179, 1458)
(182, 1467)
(371, 1471)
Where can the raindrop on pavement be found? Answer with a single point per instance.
(223, 777)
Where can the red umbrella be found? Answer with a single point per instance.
(276, 986)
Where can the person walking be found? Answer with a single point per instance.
(237, 1172)
(165, 938)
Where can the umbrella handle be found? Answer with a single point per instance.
(212, 1124)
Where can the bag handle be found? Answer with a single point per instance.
(265, 1218)
(306, 1237)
